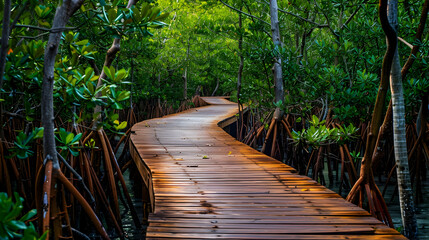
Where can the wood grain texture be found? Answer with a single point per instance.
(204, 184)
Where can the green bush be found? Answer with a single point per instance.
(13, 227)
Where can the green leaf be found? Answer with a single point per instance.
(38, 11)
(121, 126)
(69, 138)
(154, 14)
(124, 95)
(90, 87)
(108, 73)
(77, 138)
(162, 17)
(17, 225)
(38, 133)
(81, 43)
(120, 75)
(111, 15)
(114, 117)
(69, 38)
(73, 152)
(28, 215)
(89, 72)
(145, 10)
(117, 106)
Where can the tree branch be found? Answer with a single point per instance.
(327, 20)
(51, 30)
(405, 42)
(253, 20)
(351, 17)
(419, 34)
(237, 10)
(300, 18)
(21, 11)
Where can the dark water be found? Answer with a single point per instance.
(131, 231)
(392, 201)
(422, 209)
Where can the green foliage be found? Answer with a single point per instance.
(23, 143)
(355, 156)
(67, 141)
(12, 224)
(318, 134)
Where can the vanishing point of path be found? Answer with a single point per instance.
(206, 185)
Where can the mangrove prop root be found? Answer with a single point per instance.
(97, 224)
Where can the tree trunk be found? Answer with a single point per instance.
(240, 49)
(239, 76)
(61, 18)
(277, 68)
(4, 39)
(3, 54)
(399, 135)
(366, 184)
(132, 83)
(185, 75)
(217, 86)
(387, 123)
(159, 95)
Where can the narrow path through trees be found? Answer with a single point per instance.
(204, 184)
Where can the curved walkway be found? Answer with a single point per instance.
(204, 184)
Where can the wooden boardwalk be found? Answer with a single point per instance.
(204, 184)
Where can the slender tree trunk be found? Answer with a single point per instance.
(399, 135)
(217, 86)
(377, 115)
(159, 87)
(185, 74)
(366, 184)
(3, 54)
(4, 39)
(240, 49)
(132, 83)
(277, 68)
(61, 18)
(387, 123)
(241, 65)
(240, 75)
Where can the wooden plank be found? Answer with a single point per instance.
(204, 184)
(295, 220)
(167, 235)
(295, 229)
